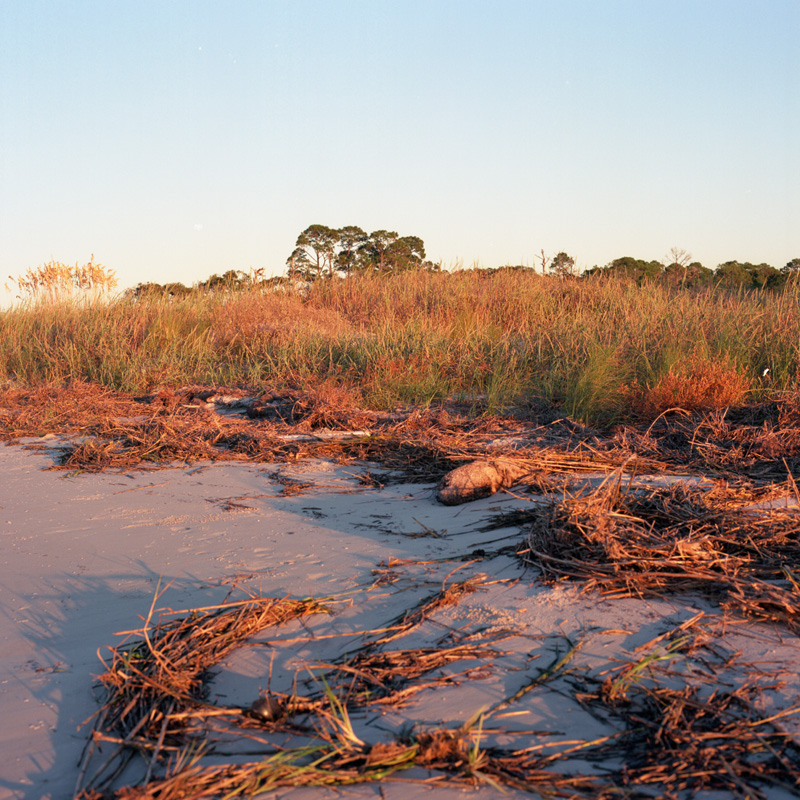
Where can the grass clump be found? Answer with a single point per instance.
(696, 385)
(55, 283)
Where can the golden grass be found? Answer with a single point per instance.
(600, 351)
(53, 283)
(695, 386)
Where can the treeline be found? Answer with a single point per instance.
(319, 252)
(233, 280)
(679, 271)
(322, 252)
(693, 274)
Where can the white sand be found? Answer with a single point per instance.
(83, 555)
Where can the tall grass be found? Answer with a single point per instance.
(600, 348)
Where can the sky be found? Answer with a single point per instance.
(178, 139)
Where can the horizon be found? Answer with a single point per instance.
(176, 142)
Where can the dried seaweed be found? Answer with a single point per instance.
(644, 541)
(668, 733)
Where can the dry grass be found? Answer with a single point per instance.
(599, 351)
(54, 283)
(384, 677)
(670, 732)
(629, 541)
(151, 682)
(758, 443)
(111, 431)
(754, 447)
(703, 386)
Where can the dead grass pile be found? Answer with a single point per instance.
(118, 431)
(384, 677)
(686, 743)
(329, 408)
(113, 431)
(56, 409)
(448, 596)
(755, 446)
(672, 732)
(150, 682)
(759, 442)
(638, 541)
(684, 735)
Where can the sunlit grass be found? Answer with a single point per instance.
(600, 349)
(55, 282)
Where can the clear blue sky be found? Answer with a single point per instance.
(175, 139)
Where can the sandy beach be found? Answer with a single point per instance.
(85, 556)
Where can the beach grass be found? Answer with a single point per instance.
(601, 350)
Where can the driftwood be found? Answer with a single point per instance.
(478, 479)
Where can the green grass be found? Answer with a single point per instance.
(592, 346)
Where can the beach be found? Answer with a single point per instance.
(87, 556)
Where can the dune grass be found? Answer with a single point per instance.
(602, 349)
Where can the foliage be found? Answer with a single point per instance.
(683, 273)
(687, 276)
(746, 274)
(315, 252)
(632, 268)
(233, 280)
(792, 267)
(230, 281)
(321, 251)
(157, 290)
(562, 265)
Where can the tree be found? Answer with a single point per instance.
(376, 249)
(388, 252)
(351, 240)
(544, 259)
(735, 273)
(314, 253)
(562, 265)
(231, 281)
(634, 268)
(683, 272)
(323, 251)
(792, 267)
(763, 275)
(697, 275)
(732, 273)
(678, 257)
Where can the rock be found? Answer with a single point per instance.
(478, 479)
(268, 708)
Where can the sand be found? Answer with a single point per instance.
(84, 554)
